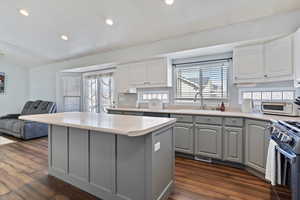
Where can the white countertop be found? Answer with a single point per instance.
(257, 116)
(115, 124)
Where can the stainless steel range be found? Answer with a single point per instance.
(287, 135)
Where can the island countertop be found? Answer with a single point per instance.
(116, 124)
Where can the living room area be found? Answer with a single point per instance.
(150, 100)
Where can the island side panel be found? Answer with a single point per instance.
(130, 168)
(163, 163)
(58, 152)
(143, 171)
(102, 161)
(79, 154)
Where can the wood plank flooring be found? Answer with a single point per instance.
(23, 176)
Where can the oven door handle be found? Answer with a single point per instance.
(290, 156)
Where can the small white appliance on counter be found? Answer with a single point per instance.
(280, 108)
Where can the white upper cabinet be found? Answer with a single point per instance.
(138, 74)
(248, 63)
(121, 77)
(270, 61)
(297, 58)
(158, 72)
(278, 59)
(145, 74)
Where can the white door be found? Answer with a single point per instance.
(138, 74)
(278, 58)
(248, 63)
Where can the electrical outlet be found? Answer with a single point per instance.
(156, 146)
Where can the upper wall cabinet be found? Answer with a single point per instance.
(270, 61)
(248, 63)
(278, 58)
(297, 58)
(146, 74)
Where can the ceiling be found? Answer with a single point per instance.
(136, 22)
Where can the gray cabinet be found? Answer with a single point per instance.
(208, 141)
(184, 138)
(257, 141)
(233, 144)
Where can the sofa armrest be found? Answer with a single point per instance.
(10, 116)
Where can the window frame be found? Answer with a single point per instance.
(190, 100)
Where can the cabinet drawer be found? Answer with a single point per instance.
(209, 120)
(183, 118)
(234, 122)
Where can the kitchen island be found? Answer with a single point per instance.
(113, 157)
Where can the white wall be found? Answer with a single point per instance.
(43, 79)
(17, 88)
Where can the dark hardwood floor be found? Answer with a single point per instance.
(23, 176)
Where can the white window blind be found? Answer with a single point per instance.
(98, 92)
(71, 86)
(210, 78)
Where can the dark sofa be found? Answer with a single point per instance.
(11, 125)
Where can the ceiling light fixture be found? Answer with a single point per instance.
(24, 12)
(109, 22)
(169, 2)
(64, 37)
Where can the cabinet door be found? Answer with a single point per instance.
(278, 58)
(138, 74)
(157, 72)
(297, 58)
(256, 144)
(248, 63)
(208, 141)
(184, 138)
(233, 144)
(122, 79)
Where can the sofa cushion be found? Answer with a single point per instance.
(13, 125)
(38, 107)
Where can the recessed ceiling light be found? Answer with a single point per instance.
(24, 12)
(64, 37)
(169, 2)
(109, 22)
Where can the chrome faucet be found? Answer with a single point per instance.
(201, 99)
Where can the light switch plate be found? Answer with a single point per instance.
(156, 146)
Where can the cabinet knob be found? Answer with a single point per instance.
(265, 75)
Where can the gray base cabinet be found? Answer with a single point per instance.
(233, 144)
(257, 141)
(208, 141)
(184, 138)
(234, 139)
